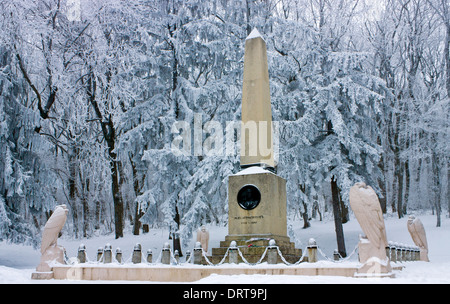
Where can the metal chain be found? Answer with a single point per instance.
(286, 262)
(341, 258)
(247, 262)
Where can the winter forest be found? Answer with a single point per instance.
(90, 91)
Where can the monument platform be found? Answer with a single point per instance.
(191, 273)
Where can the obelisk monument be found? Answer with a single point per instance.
(256, 195)
(256, 121)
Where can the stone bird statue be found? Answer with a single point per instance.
(417, 231)
(49, 248)
(203, 237)
(366, 207)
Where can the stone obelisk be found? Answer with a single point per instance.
(256, 195)
(256, 126)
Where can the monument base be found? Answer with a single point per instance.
(375, 268)
(42, 275)
(424, 255)
(374, 261)
(252, 247)
(257, 216)
(191, 273)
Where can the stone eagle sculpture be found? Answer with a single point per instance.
(366, 207)
(203, 237)
(417, 231)
(50, 251)
(372, 249)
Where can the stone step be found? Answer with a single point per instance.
(256, 240)
(215, 259)
(254, 254)
(257, 250)
(256, 243)
(253, 247)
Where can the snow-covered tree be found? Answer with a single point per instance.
(93, 96)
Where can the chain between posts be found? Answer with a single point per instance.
(341, 259)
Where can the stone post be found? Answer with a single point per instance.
(403, 252)
(312, 250)
(417, 254)
(165, 256)
(398, 249)
(272, 252)
(118, 255)
(107, 254)
(136, 258)
(99, 253)
(393, 252)
(149, 256)
(81, 254)
(198, 253)
(176, 254)
(188, 255)
(336, 255)
(233, 253)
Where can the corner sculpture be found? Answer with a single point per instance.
(372, 247)
(203, 237)
(50, 251)
(417, 231)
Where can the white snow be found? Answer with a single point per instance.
(17, 262)
(253, 170)
(254, 34)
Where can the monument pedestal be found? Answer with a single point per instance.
(252, 247)
(256, 214)
(42, 275)
(374, 261)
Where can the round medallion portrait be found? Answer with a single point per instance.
(249, 197)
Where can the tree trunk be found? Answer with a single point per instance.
(436, 187)
(337, 218)
(247, 15)
(137, 191)
(109, 135)
(97, 215)
(447, 63)
(447, 56)
(118, 203)
(85, 205)
(407, 183)
(136, 222)
(343, 208)
(398, 171)
(382, 183)
(72, 154)
(175, 236)
(304, 213)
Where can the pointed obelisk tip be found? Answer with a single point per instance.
(254, 34)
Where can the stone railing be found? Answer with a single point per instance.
(398, 252)
(395, 252)
(168, 257)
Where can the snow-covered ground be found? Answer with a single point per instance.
(17, 262)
